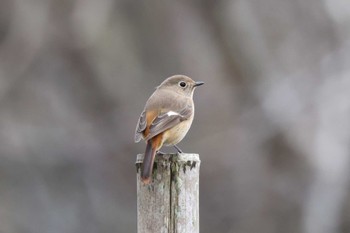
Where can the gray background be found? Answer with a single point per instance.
(271, 127)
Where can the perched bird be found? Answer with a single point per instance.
(166, 118)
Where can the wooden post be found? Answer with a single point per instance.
(170, 203)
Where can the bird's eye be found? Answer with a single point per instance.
(182, 84)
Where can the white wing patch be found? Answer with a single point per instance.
(171, 113)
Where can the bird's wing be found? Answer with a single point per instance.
(167, 120)
(140, 127)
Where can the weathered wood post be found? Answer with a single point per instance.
(170, 203)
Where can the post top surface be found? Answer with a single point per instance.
(178, 157)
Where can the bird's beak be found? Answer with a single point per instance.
(196, 84)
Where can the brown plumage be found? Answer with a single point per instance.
(166, 118)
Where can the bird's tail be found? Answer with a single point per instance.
(147, 166)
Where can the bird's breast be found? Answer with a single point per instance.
(175, 134)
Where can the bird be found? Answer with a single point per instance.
(165, 119)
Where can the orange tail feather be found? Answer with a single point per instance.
(147, 166)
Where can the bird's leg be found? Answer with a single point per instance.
(160, 152)
(178, 149)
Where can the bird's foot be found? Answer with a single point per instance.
(160, 153)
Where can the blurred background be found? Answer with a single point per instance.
(272, 122)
